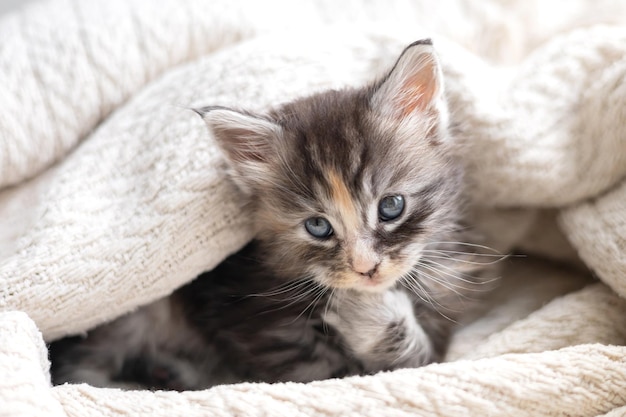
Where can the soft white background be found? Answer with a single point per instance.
(9, 5)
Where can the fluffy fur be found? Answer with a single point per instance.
(361, 261)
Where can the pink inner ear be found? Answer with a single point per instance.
(418, 89)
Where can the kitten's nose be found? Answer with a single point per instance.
(364, 259)
(366, 270)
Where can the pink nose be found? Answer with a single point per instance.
(366, 269)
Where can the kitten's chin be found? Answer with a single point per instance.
(374, 285)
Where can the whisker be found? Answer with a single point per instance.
(429, 258)
(476, 284)
(488, 255)
(436, 305)
(453, 275)
(465, 261)
(282, 288)
(315, 304)
(419, 290)
(438, 280)
(308, 292)
(317, 296)
(329, 300)
(443, 282)
(473, 280)
(473, 245)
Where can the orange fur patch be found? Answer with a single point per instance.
(343, 201)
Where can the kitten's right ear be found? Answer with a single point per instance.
(247, 141)
(414, 86)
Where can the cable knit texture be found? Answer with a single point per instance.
(113, 193)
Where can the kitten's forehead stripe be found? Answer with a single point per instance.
(361, 161)
(343, 200)
(430, 189)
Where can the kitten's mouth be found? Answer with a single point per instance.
(385, 278)
(373, 285)
(376, 283)
(358, 283)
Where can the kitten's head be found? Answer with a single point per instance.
(349, 186)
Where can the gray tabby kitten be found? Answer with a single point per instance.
(359, 265)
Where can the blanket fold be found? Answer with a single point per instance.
(113, 194)
(580, 372)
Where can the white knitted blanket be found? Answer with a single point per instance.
(112, 193)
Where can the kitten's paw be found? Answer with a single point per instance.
(381, 329)
(166, 377)
(163, 373)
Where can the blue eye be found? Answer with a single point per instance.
(318, 227)
(390, 207)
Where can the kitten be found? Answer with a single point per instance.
(359, 262)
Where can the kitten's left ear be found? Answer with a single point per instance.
(413, 86)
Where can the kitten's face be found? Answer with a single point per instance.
(349, 186)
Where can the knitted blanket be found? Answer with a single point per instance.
(113, 194)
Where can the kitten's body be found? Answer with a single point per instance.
(360, 263)
(235, 323)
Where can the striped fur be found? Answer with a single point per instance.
(374, 294)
